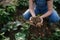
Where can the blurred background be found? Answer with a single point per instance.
(11, 20)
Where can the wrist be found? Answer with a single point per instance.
(33, 16)
(41, 16)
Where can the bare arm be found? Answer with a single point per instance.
(50, 8)
(31, 8)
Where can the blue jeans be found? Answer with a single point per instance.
(54, 17)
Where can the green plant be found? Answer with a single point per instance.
(10, 9)
(23, 3)
(3, 16)
(6, 15)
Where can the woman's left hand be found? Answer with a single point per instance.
(41, 20)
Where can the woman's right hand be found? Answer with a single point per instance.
(31, 17)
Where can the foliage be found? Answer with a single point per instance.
(7, 23)
(11, 26)
(3, 15)
(20, 36)
(23, 3)
(6, 14)
(10, 9)
(57, 1)
(24, 32)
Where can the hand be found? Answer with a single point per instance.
(31, 21)
(31, 17)
(41, 19)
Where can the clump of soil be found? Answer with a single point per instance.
(39, 30)
(36, 21)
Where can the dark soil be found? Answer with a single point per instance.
(35, 21)
(44, 30)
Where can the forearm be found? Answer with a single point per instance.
(48, 13)
(50, 8)
(32, 12)
(31, 7)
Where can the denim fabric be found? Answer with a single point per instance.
(41, 7)
(41, 4)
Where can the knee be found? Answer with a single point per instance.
(25, 17)
(54, 17)
(55, 20)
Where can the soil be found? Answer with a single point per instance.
(44, 30)
(35, 21)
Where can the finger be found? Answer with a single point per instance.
(30, 18)
(41, 20)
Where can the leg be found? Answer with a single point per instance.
(54, 17)
(27, 14)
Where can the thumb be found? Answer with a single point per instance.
(41, 20)
(30, 18)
